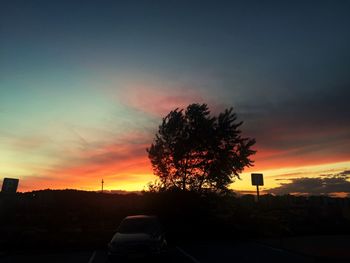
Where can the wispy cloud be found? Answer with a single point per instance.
(121, 162)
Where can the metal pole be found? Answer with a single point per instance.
(257, 192)
(102, 182)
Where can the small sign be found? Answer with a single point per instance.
(257, 179)
(9, 185)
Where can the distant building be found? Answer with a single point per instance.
(9, 185)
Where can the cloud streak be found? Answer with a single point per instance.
(122, 162)
(305, 129)
(333, 184)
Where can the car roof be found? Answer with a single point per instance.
(141, 217)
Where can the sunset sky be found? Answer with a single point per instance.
(84, 85)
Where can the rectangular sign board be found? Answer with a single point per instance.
(257, 179)
(9, 185)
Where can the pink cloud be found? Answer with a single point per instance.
(159, 101)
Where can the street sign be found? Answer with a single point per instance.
(9, 185)
(257, 179)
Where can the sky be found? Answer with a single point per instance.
(85, 84)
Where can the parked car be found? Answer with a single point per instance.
(137, 236)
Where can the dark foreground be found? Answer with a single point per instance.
(75, 226)
(245, 251)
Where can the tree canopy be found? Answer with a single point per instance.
(193, 150)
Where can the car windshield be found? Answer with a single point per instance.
(138, 225)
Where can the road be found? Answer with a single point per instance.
(204, 252)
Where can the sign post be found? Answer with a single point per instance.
(257, 179)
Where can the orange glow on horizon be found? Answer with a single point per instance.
(134, 175)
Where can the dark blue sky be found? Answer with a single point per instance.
(273, 48)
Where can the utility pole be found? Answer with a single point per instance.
(102, 182)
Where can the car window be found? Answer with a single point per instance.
(139, 225)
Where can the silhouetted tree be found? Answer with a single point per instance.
(194, 151)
